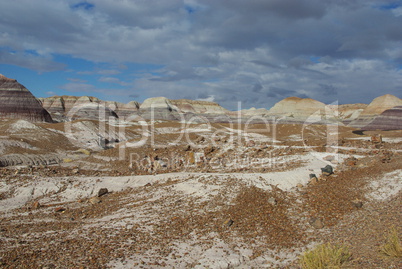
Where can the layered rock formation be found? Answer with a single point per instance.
(91, 111)
(374, 109)
(198, 107)
(349, 112)
(159, 108)
(202, 111)
(123, 110)
(390, 119)
(380, 104)
(86, 107)
(17, 102)
(291, 109)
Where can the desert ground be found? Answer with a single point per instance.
(166, 194)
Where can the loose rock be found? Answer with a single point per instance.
(95, 200)
(327, 170)
(36, 205)
(272, 201)
(102, 192)
(316, 223)
(357, 203)
(228, 222)
(60, 209)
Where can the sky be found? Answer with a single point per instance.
(256, 52)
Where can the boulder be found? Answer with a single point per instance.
(102, 191)
(327, 170)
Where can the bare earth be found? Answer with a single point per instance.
(224, 197)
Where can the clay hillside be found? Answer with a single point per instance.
(17, 102)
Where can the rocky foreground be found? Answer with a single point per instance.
(231, 198)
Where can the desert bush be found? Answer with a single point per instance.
(325, 256)
(67, 160)
(392, 246)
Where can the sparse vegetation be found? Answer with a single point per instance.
(84, 151)
(325, 256)
(392, 247)
(67, 160)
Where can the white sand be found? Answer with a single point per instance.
(387, 187)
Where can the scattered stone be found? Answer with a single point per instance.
(351, 161)
(316, 223)
(102, 192)
(329, 158)
(272, 201)
(148, 185)
(327, 170)
(209, 150)
(200, 139)
(299, 185)
(312, 176)
(95, 200)
(59, 209)
(190, 159)
(376, 139)
(313, 181)
(386, 157)
(36, 205)
(357, 203)
(228, 222)
(250, 143)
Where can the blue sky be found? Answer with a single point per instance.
(256, 52)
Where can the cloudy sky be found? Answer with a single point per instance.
(255, 51)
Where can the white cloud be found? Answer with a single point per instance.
(113, 80)
(397, 11)
(210, 98)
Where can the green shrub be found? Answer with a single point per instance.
(325, 256)
(392, 247)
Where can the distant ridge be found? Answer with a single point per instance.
(374, 109)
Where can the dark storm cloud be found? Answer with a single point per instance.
(234, 50)
(257, 87)
(279, 92)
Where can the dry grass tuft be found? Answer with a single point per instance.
(392, 247)
(325, 256)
